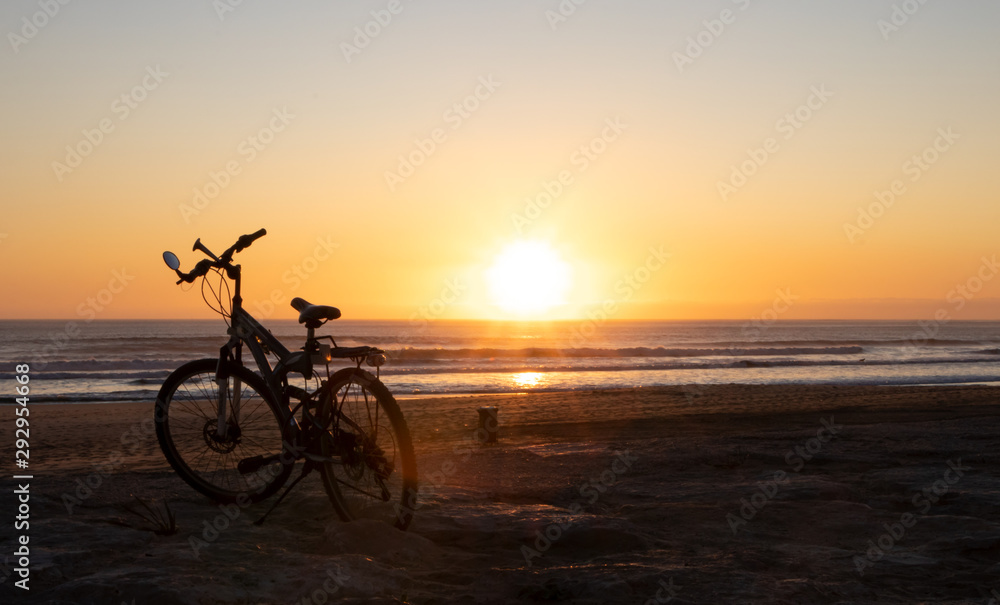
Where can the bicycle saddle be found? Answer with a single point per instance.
(314, 315)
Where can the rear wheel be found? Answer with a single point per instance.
(242, 461)
(372, 473)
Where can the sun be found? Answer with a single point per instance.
(528, 278)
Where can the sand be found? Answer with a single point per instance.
(728, 494)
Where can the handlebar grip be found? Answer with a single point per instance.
(242, 243)
(248, 239)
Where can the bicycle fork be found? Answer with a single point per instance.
(229, 352)
(227, 403)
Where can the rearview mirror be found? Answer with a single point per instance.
(172, 261)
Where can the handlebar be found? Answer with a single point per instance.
(218, 262)
(242, 243)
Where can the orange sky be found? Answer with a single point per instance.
(744, 161)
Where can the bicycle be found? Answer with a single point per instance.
(234, 434)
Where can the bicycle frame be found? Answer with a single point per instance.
(244, 329)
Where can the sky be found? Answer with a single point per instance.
(723, 159)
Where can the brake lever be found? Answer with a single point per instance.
(199, 270)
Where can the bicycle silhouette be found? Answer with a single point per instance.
(235, 434)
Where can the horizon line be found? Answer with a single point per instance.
(514, 320)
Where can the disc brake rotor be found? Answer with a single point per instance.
(222, 445)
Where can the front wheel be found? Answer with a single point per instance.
(242, 460)
(371, 471)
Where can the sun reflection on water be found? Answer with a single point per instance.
(527, 380)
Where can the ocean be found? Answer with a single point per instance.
(106, 361)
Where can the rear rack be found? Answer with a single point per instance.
(351, 352)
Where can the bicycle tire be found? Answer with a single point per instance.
(374, 474)
(186, 415)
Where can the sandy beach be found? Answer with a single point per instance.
(727, 494)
